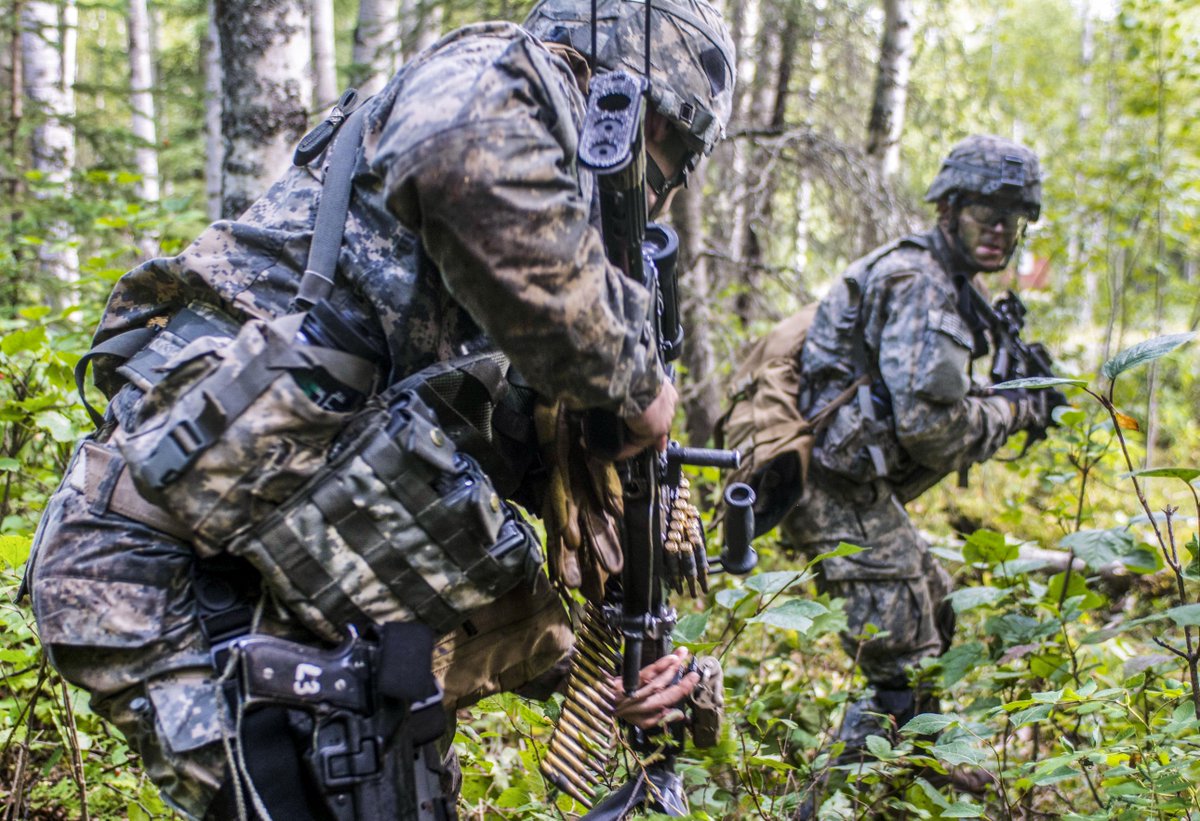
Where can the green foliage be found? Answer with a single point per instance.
(1073, 684)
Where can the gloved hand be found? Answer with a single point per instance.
(582, 508)
(1033, 409)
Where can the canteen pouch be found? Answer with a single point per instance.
(400, 525)
(226, 433)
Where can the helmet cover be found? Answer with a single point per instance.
(990, 166)
(691, 55)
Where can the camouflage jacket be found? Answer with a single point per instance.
(470, 226)
(894, 315)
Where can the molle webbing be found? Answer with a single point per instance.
(398, 526)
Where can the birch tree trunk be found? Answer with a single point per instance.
(324, 55)
(214, 143)
(804, 189)
(266, 84)
(376, 44)
(429, 30)
(141, 78)
(15, 183)
(1083, 221)
(891, 87)
(48, 32)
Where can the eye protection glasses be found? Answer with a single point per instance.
(1010, 219)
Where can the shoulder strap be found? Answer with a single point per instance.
(317, 281)
(123, 345)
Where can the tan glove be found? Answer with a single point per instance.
(583, 505)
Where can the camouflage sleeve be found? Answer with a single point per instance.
(501, 208)
(924, 351)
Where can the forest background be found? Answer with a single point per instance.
(128, 125)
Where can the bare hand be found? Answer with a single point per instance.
(653, 425)
(660, 690)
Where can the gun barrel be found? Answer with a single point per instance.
(739, 555)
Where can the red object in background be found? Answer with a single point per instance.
(1033, 274)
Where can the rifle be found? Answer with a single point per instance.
(661, 536)
(1017, 359)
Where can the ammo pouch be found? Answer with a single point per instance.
(227, 433)
(400, 525)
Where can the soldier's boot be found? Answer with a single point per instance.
(880, 714)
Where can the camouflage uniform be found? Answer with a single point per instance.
(470, 227)
(899, 316)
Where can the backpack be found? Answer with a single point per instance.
(764, 421)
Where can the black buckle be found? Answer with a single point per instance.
(182, 445)
(314, 143)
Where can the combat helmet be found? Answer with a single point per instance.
(691, 55)
(991, 166)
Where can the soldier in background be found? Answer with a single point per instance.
(902, 328)
(471, 227)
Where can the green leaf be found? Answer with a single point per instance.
(1019, 567)
(773, 762)
(988, 547)
(15, 549)
(9, 465)
(879, 746)
(793, 614)
(843, 549)
(1031, 715)
(59, 426)
(26, 339)
(1036, 382)
(1187, 615)
(957, 752)
(1076, 587)
(34, 312)
(1098, 548)
(927, 724)
(690, 627)
(963, 809)
(1186, 474)
(1054, 775)
(968, 598)
(957, 661)
(731, 597)
(768, 584)
(1144, 352)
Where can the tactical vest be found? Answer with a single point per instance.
(268, 440)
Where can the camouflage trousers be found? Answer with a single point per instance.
(895, 584)
(116, 610)
(895, 587)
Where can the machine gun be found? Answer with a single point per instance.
(661, 534)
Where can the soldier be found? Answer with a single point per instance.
(471, 227)
(900, 329)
